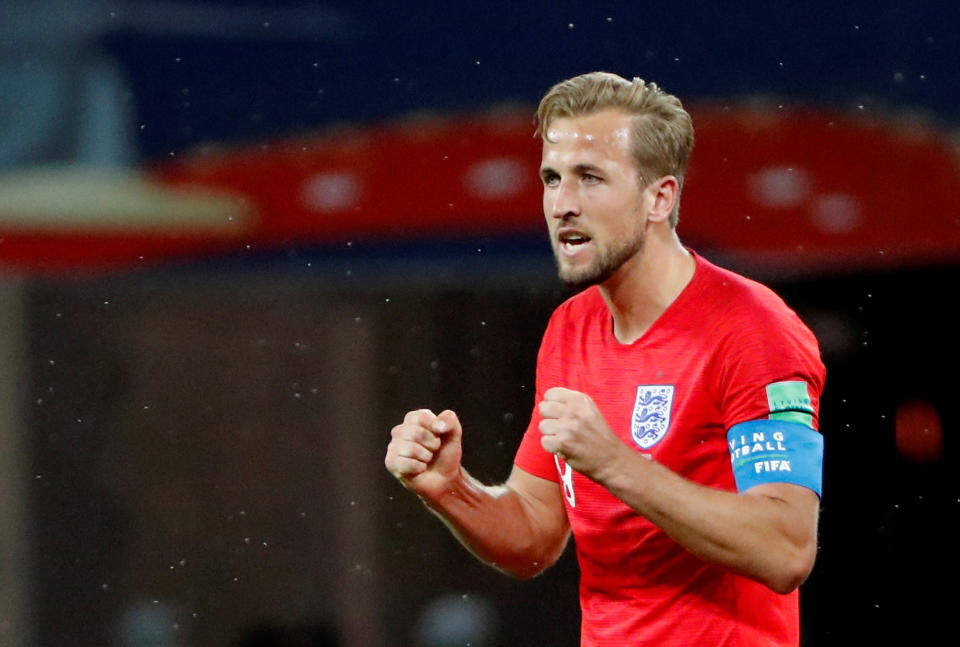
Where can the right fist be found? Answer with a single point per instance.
(425, 451)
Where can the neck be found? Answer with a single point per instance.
(647, 284)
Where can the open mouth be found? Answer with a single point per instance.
(571, 241)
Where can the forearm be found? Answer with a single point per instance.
(758, 535)
(499, 526)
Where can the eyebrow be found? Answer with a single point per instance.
(579, 169)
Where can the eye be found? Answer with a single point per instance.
(590, 178)
(550, 179)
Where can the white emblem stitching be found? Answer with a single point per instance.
(651, 414)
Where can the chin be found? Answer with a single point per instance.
(596, 273)
(581, 278)
(607, 263)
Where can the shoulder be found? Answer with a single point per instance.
(761, 348)
(745, 305)
(752, 325)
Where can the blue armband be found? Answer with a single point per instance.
(776, 451)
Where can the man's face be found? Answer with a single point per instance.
(593, 197)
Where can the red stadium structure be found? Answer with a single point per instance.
(782, 189)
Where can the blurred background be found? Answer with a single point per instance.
(238, 240)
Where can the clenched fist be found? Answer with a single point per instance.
(425, 451)
(574, 429)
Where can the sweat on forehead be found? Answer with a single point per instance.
(602, 126)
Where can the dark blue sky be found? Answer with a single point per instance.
(370, 61)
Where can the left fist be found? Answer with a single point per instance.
(574, 429)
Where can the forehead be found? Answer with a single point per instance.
(604, 134)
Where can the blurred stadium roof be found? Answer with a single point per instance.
(327, 121)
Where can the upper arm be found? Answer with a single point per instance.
(542, 501)
(783, 462)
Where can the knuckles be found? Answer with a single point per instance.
(412, 442)
(416, 434)
(419, 417)
(403, 464)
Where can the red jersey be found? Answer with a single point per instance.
(704, 366)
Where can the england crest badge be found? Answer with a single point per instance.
(651, 414)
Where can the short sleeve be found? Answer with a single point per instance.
(530, 456)
(770, 368)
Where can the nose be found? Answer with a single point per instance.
(566, 203)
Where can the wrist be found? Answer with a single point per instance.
(622, 464)
(444, 496)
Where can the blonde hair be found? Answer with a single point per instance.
(662, 135)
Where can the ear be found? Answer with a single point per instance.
(664, 193)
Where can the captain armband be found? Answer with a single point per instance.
(776, 451)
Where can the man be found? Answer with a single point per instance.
(677, 405)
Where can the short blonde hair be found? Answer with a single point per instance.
(662, 136)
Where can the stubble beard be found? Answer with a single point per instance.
(606, 264)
